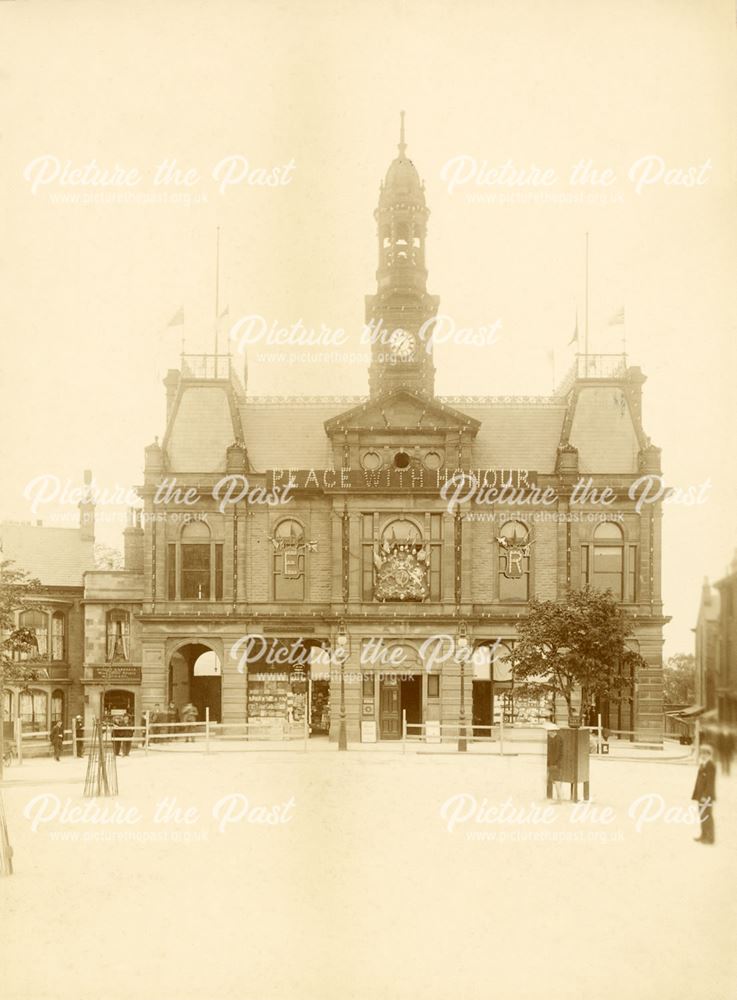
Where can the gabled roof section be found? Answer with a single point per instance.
(403, 410)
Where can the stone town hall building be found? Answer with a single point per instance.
(366, 549)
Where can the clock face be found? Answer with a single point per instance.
(402, 344)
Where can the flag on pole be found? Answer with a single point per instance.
(574, 338)
(177, 319)
(618, 318)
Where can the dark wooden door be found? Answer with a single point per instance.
(391, 711)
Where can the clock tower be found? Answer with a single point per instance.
(399, 316)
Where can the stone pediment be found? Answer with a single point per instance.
(402, 411)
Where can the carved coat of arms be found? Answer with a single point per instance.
(401, 572)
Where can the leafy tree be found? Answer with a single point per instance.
(679, 679)
(106, 557)
(16, 587)
(579, 643)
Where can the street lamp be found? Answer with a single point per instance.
(461, 655)
(341, 654)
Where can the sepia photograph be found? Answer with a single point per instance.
(368, 562)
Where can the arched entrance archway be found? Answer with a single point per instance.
(195, 675)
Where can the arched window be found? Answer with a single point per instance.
(514, 562)
(118, 635)
(401, 532)
(57, 707)
(38, 623)
(289, 561)
(58, 622)
(608, 562)
(33, 707)
(195, 553)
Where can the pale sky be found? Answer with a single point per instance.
(90, 287)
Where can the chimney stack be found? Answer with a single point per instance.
(87, 511)
(133, 542)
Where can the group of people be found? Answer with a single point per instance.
(123, 729)
(174, 722)
(56, 737)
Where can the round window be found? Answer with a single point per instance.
(371, 460)
(401, 460)
(433, 460)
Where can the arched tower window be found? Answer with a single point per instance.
(610, 562)
(195, 562)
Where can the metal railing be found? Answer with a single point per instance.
(210, 366)
(594, 366)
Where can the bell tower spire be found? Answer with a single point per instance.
(400, 314)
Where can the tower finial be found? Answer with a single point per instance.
(402, 143)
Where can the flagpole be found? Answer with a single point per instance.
(586, 316)
(217, 291)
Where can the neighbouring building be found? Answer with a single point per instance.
(706, 639)
(58, 557)
(726, 683)
(366, 557)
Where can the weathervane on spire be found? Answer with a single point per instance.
(402, 143)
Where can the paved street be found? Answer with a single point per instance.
(338, 866)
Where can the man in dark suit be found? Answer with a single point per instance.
(57, 739)
(704, 793)
(79, 735)
(555, 757)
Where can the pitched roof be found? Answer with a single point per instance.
(289, 432)
(517, 433)
(56, 556)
